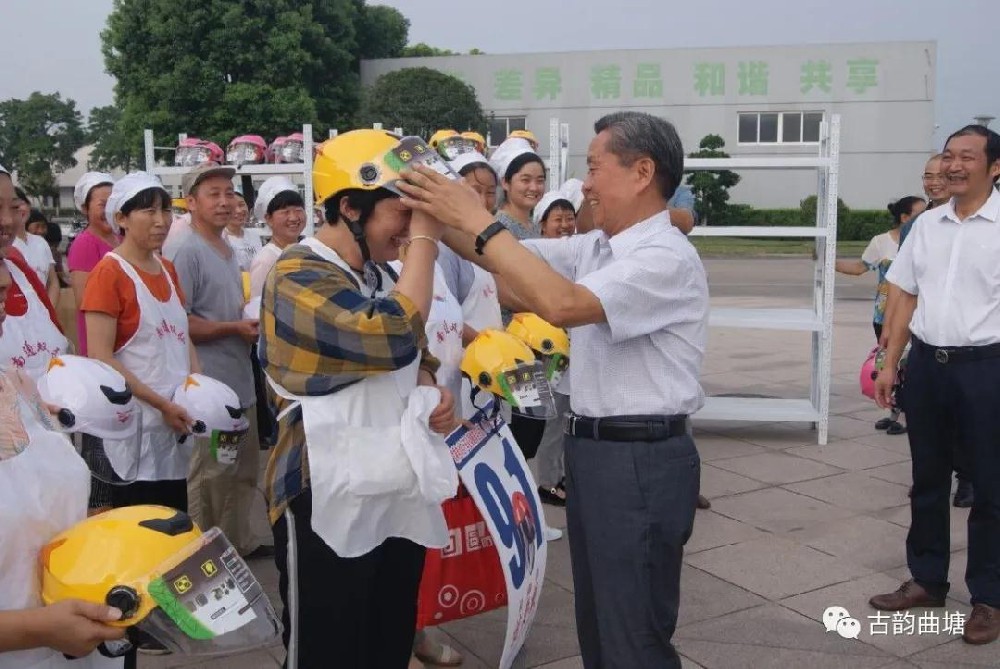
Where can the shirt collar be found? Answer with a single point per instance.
(990, 210)
(627, 240)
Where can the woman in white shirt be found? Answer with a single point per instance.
(35, 249)
(246, 246)
(283, 209)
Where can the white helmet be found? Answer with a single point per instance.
(213, 405)
(91, 397)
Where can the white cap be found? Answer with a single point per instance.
(124, 190)
(504, 155)
(572, 190)
(268, 191)
(543, 205)
(87, 183)
(463, 160)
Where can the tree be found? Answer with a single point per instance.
(711, 189)
(421, 100)
(38, 137)
(112, 147)
(382, 31)
(421, 50)
(222, 68)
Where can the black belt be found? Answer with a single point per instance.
(627, 428)
(947, 354)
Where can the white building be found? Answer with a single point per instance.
(761, 100)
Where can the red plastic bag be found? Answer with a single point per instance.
(464, 579)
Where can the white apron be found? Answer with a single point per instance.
(363, 481)
(158, 355)
(43, 491)
(481, 308)
(29, 341)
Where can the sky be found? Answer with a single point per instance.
(54, 45)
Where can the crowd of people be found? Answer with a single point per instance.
(329, 341)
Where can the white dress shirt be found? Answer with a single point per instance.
(38, 254)
(953, 267)
(646, 359)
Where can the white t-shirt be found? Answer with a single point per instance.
(37, 253)
(261, 265)
(246, 247)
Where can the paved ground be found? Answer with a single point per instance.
(794, 527)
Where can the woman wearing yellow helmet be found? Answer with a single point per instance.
(344, 357)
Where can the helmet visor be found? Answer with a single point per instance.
(451, 148)
(290, 152)
(410, 152)
(192, 156)
(556, 366)
(528, 391)
(209, 602)
(244, 153)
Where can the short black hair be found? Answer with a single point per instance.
(902, 207)
(286, 198)
(992, 142)
(518, 164)
(36, 216)
(474, 167)
(19, 194)
(86, 200)
(558, 205)
(634, 135)
(362, 200)
(149, 198)
(53, 233)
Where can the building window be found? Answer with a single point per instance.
(779, 127)
(501, 126)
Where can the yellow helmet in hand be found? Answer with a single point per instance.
(550, 344)
(501, 364)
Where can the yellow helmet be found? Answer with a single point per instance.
(550, 344)
(349, 161)
(190, 591)
(439, 135)
(526, 134)
(477, 139)
(179, 203)
(503, 365)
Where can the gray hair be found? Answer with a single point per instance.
(637, 135)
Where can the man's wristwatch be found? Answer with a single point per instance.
(486, 235)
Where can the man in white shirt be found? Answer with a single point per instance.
(635, 294)
(948, 274)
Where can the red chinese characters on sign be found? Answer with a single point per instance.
(467, 539)
(31, 350)
(447, 328)
(165, 329)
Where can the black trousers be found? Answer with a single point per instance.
(356, 613)
(945, 404)
(630, 509)
(528, 433)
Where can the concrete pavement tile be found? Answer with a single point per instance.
(774, 436)
(470, 661)
(845, 427)
(958, 524)
(714, 447)
(853, 596)
(849, 455)
(893, 442)
(778, 510)
(717, 482)
(854, 490)
(712, 530)
(575, 662)
(870, 542)
(774, 567)
(704, 597)
(777, 468)
(738, 656)
(957, 653)
(900, 472)
(770, 627)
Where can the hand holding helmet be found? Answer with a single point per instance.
(501, 364)
(212, 405)
(89, 396)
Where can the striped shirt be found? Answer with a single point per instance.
(321, 332)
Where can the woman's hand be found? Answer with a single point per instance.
(443, 419)
(74, 627)
(176, 418)
(454, 203)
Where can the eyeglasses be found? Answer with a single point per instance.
(934, 177)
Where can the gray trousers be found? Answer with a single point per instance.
(550, 451)
(630, 510)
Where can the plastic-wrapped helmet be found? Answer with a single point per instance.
(91, 397)
(549, 343)
(190, 591)
(192, 152)
(213, 405)
(440, 135)
(476, 139)
(501, 364)
(291, 150)
(246, 150)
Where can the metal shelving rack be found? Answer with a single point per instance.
(818, 320)
(301, 173)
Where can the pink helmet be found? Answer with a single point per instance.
(274, 150)
(869, 371)
(291, 150)
(246, 150)
(192, 152)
